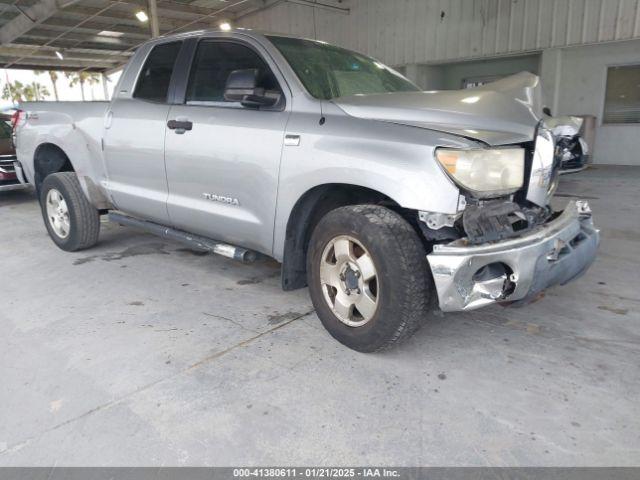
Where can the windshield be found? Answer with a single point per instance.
(329, 72)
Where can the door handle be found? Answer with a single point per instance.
(180, 126)
(292, 140)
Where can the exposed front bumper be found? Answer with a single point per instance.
(515, 270)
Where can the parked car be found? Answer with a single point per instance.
(574, 151)
(10, 178)
(386, 201)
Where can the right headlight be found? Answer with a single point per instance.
(486, 173)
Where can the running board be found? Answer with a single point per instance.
(193, 241)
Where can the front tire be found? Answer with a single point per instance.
(72, 222)
(368, 277)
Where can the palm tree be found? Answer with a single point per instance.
(35, 91)
(82, 78)
(75, 79)
(14, 91)
(53, 76)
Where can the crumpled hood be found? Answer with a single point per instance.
(499, 113)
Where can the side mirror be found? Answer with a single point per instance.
(241, 87)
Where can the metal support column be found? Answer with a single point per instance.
(153, 18)
(105, 88)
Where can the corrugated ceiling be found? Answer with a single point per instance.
(97, 35)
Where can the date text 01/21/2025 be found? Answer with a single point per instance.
(315, 472)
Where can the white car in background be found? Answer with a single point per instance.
(573, 149)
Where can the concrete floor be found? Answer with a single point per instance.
(139, 352)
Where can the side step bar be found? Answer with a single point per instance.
(194, 241)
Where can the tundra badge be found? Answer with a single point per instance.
(221, 198)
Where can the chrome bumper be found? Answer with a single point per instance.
(515, 270)
(20, 173)
(13, 166)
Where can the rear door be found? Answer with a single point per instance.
(223, 172)
(134, 138)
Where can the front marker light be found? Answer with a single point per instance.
(484, 172)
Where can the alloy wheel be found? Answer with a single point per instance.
(58, 213)
(349, 281)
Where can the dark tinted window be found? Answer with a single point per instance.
(215, 61)
(622, 98)
(153, 83)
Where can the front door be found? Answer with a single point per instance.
(223, 159)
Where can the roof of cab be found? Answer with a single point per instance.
(246, 32)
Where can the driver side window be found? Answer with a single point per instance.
(214, 61)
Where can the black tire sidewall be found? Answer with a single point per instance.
(381, 244)
(71, 241)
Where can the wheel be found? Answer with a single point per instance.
(368, 277)
(72, 222)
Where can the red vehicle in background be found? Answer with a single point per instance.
(11, 177)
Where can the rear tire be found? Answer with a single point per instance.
(72, 222)
(367, 257)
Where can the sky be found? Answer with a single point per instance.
(65, 92)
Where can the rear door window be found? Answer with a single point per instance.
(155, 77)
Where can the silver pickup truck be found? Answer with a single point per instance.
(387, 201)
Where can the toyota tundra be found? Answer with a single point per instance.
(388, 202)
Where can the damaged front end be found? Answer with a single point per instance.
(509, 249)
(470, 276)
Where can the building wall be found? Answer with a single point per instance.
(400, 32)
(582, 79)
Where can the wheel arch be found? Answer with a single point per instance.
(49, 158)
(307, 212)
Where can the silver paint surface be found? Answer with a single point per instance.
(503, 112)
(149, 171)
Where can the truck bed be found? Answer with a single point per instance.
(76, 110)
(60, 123)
